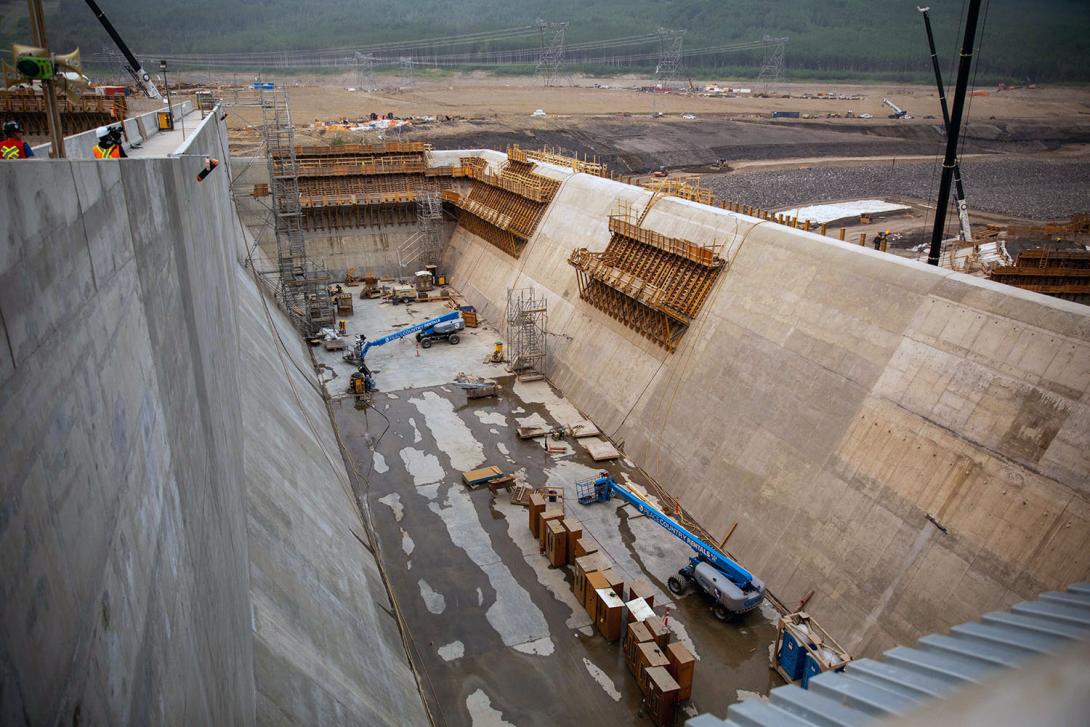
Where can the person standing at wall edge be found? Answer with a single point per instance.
(109, 143)
(13, 146)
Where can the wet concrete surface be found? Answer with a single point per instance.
(497, 633)
(484, 610)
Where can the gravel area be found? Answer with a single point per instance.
(1031, 188)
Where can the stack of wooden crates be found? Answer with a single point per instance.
(662, 669)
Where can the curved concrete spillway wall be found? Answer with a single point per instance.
(830, 399)
(179, 542)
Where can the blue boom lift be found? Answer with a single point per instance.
(444, 326)
(734, 590)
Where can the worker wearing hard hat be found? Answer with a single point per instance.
(13, 146)
(109, 143)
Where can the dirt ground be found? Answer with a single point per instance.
(637, 132)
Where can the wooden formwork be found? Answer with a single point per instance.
(353, 216)
(502, 239)
(652, 283)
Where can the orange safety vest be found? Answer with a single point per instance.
(11, 149)
(111, 152)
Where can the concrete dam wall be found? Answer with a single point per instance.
(910, 443)
(179, 542)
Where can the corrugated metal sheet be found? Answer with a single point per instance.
(904, 677)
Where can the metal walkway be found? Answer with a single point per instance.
(906, 677)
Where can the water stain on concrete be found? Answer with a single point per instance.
(481, 712)
(452, 436)
(393, 501)
(424, 467)
(435, 602)
(603, 680)
(453, 650)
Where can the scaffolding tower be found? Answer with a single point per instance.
(303, 289)
(550, 60)
(429, 216)
(670, 44)
(527, 323)
(772, 67)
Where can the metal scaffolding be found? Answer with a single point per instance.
(527, 325)
(425, 247)
(303, 290)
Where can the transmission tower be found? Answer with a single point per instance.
(551, 60)
(409, 80)
(670, 42)
(365, 72)
(772, 68)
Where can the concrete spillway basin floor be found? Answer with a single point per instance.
(497, 633)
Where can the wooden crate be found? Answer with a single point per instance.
(585, 545)
(661, 696)
(537, 506)
(658, 630)
(648, 655)
(638, 610)
(573, 530)
(556, 543)
(635, 634)
(615, 582)
(682, 664)
(595, 580)
(640, 588)
(609, 609)
(543, 525)
(584, 565)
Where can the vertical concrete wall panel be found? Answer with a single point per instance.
(829, 399)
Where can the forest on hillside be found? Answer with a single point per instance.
(1043, 41)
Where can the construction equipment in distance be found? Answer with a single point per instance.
(898, 112)
(734, 590)
(358, 353)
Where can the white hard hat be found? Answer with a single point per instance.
(102, 132)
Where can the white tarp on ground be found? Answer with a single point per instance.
(825, 213)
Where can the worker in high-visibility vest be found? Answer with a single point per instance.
(13, 146)
(109, 143)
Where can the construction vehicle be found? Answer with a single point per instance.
(425, 328)
(442, 331)
(142, 77)
(402, 294)
(898, 112)
(733, 589)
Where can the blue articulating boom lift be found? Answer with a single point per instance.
(734, 590)
(444, 326)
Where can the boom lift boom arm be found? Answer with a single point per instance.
(733, 589)
(363, 345)
(138, 73)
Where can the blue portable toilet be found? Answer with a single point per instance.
(792, 656)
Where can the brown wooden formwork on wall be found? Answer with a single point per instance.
(653, 284)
